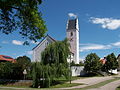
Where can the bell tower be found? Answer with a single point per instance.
(72, 31)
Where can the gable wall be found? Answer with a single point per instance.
(40, 48)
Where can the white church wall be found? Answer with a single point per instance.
(77, 70)
(40, 48)
(113, 71)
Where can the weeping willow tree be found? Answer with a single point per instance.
(56, 53)
(53, 64)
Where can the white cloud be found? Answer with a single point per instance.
(117, 44)
(90, 46)
(72, 15)
(87, 47)
(108, 23)
(29, 52)
(16, 42)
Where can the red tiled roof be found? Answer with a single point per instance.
(7, 58)
(103, 61)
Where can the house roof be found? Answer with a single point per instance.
(103, 61)
(43, 40)
(71, 24)
(6, 58)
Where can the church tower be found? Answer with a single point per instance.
(73, 37)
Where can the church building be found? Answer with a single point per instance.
(41, 46)
(72, 31)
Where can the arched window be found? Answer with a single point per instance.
(71, 33)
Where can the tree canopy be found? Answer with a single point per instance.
(111, 62)
(23, 62)
(92, 63)
(24, 16)
(53, 64)
(56, 53)
(10, 70)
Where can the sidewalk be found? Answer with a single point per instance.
(89, 81)
(109, 86)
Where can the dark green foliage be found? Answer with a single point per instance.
(111, 62)
(80, 63)
(22, 15)
(56, 53)
(92, 63)
(23, 62)
(41, 75)
(10, 70)
(35, 75)
(54, 64)
(72, 63)
(45, 75)
(6, 69)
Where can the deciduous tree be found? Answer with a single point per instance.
(23, 16)
(53, 64)
(56, 53)
(92, 63)
(111, 62)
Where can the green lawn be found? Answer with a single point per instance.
(63, 85)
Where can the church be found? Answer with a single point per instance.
(72, 34)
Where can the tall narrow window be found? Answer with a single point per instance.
(71, 34)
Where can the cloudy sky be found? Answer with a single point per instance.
(99, 22)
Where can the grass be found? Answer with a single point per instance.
(60, 83)
(100, 84)
(63, 85)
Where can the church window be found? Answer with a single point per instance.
(46, 43)
(71, 33)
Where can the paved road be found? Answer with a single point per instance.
(89, 81)
(109, 86)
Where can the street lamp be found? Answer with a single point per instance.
(24, 72)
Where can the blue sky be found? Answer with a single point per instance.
(99, 22)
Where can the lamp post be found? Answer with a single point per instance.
(24, 72)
